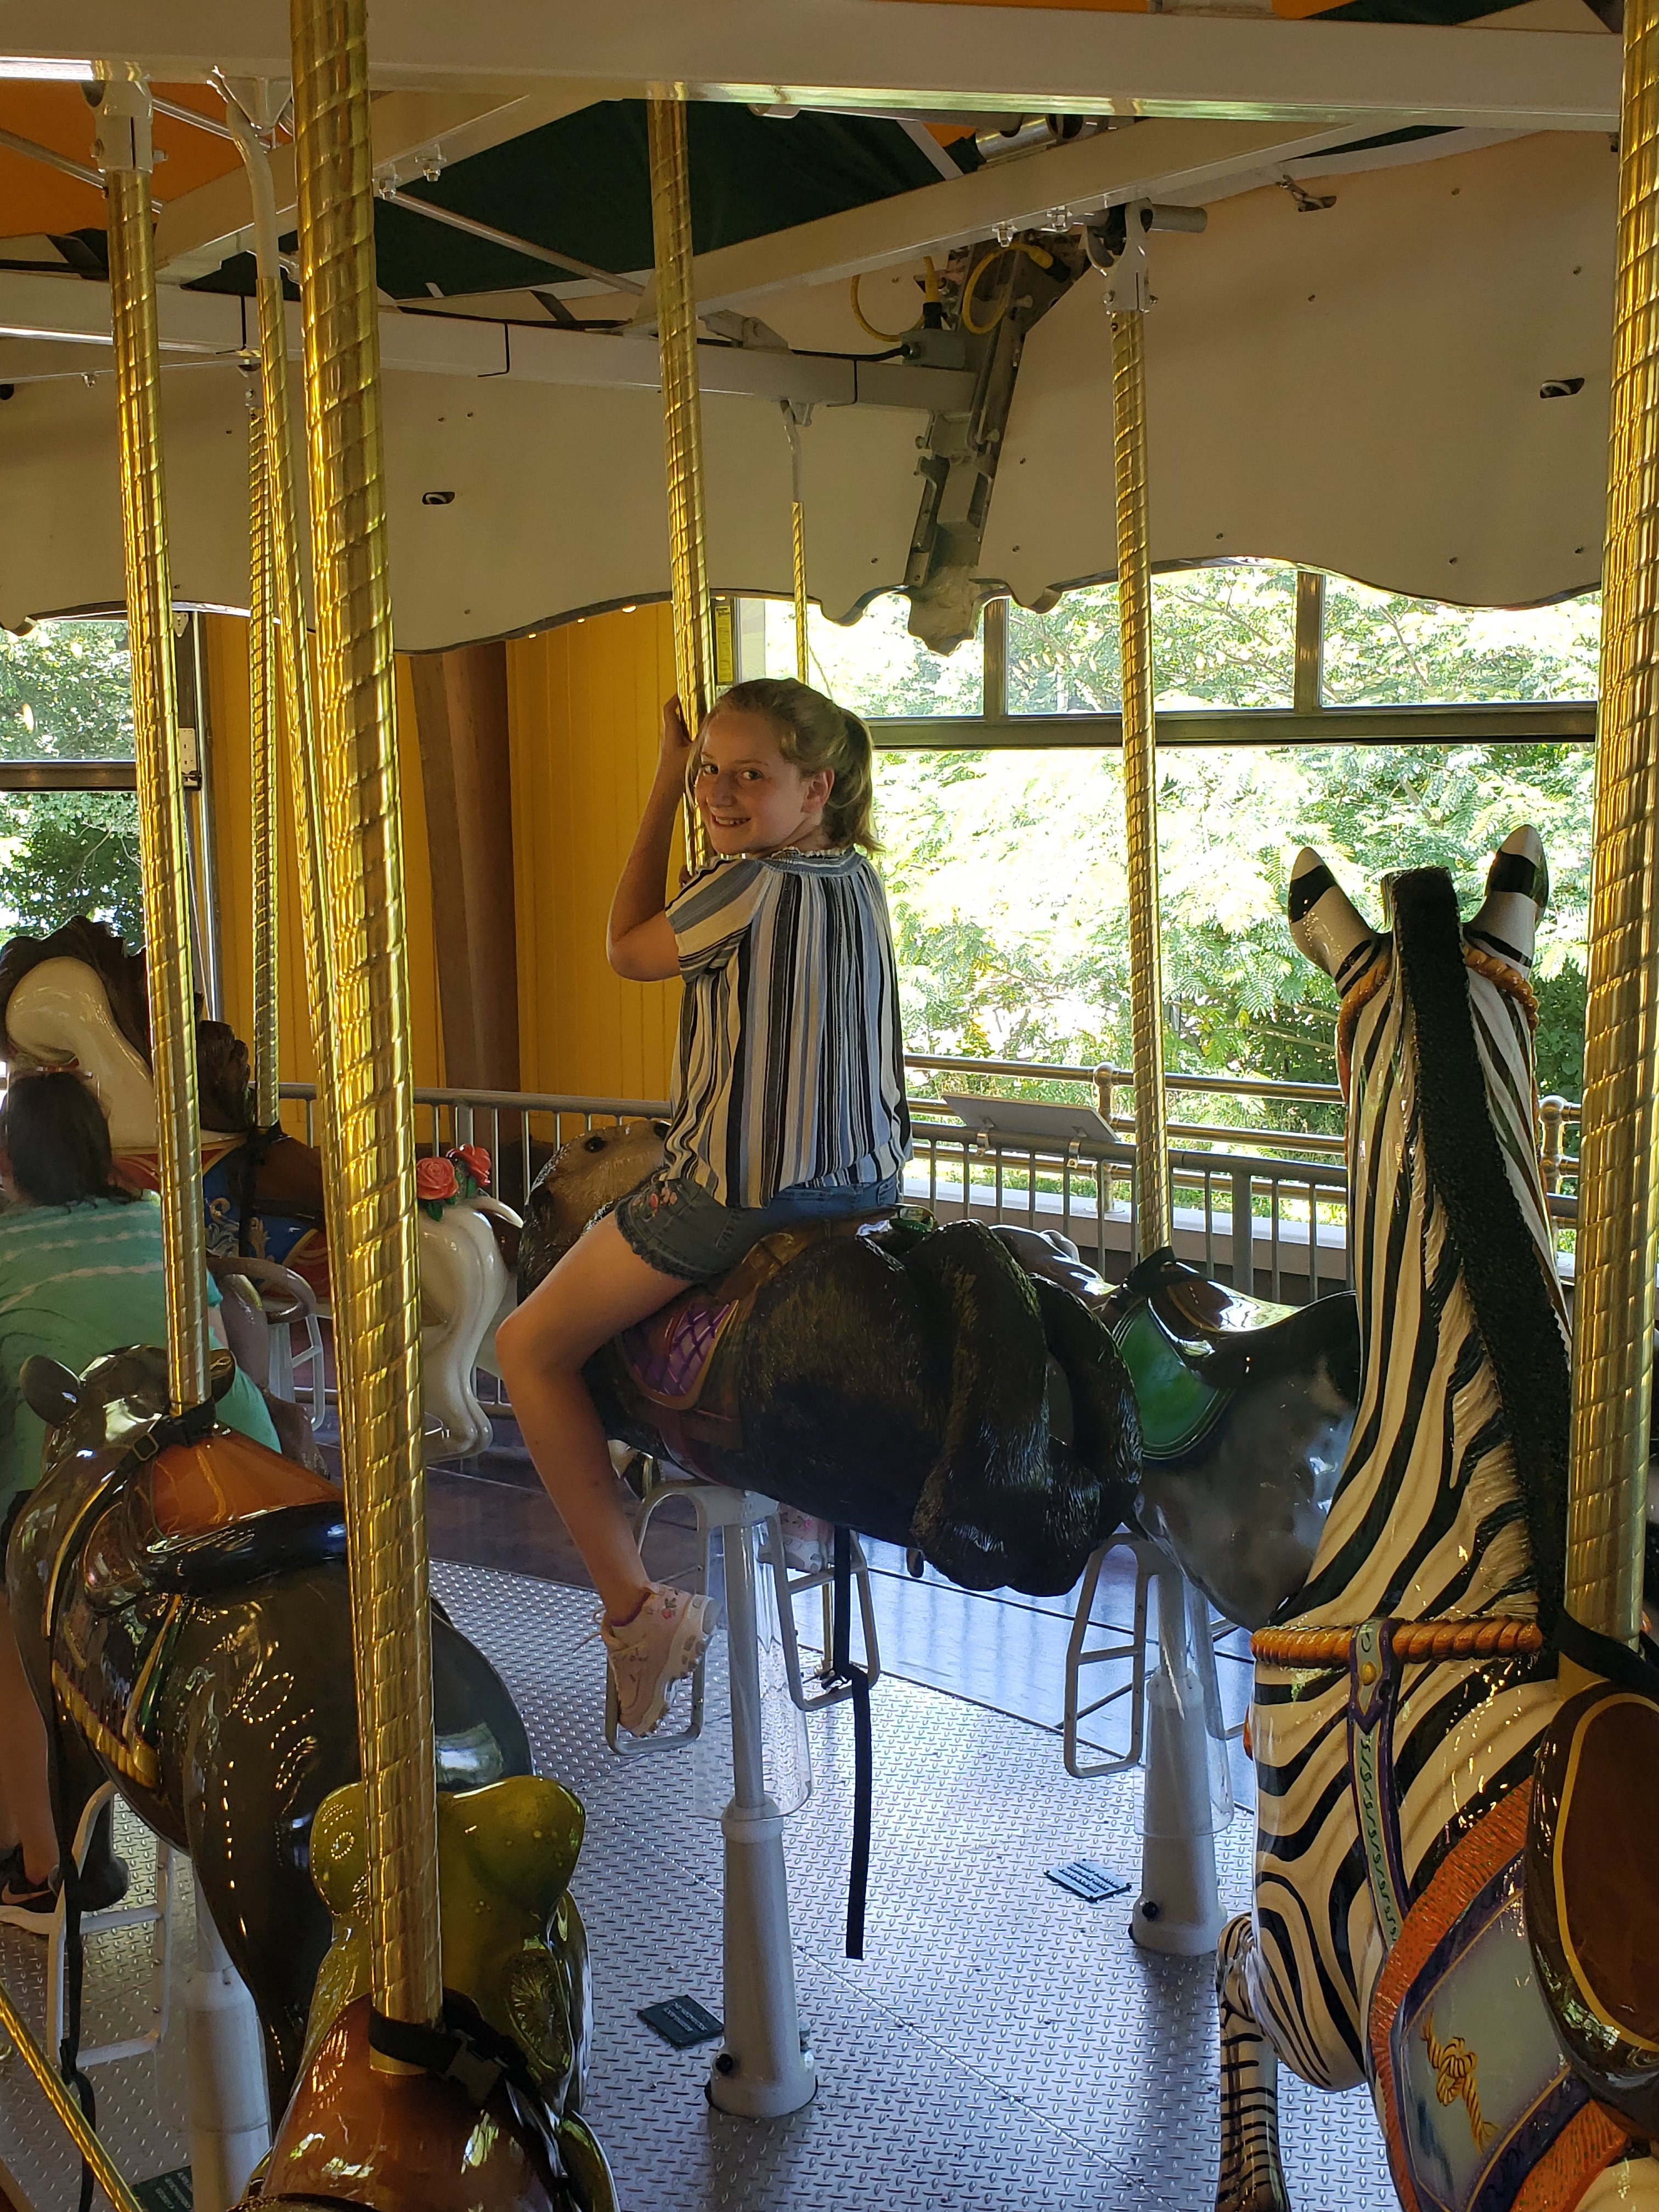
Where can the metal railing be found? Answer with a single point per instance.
(1264, 1208)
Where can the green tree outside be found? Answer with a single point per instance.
(1005, 870)
(65, 693)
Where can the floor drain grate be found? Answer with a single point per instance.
(1089, 1879)
(682, 2021)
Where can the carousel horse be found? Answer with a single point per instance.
(80, 995)
(1245, 1407)
(179, 1598)
(1404, 1694)
(911, 1382)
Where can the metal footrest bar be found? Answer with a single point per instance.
(1148, 1561)
(156, 1916)
(790, 1586)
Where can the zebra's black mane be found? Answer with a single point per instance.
(1488, 1232)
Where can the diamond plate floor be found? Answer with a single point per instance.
(1003, 2046)
(142, 2103)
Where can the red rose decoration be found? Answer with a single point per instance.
(475, 1159)
(434, 1181)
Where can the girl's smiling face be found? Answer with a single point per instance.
(751, 799)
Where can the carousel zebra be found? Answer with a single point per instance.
(1401, 1694)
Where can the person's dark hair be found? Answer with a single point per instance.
(53, 1131)
(813, 733)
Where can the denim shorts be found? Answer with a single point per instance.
(675, 1227)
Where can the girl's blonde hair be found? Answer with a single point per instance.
(814, 734)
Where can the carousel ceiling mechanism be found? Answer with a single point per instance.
(1472, 235)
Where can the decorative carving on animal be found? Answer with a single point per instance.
(909, 1380)
(503, 2127)
(1245, 1412)
(1403, 1694)
(185, 1618)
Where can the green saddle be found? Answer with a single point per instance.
(1191, 1345)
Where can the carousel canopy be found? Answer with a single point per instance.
(1386, 353)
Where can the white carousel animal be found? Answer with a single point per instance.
(466, 1293)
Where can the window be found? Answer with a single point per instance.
(872, 665)
(68, 817)
(1002, 819)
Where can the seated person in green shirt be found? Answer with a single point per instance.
(81, 1275)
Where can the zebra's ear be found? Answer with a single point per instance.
(1517, 891)
(1324, 922)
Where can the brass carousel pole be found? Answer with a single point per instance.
(1135, 603)
(288, 597)
(372, 1163)
(262, 745)
(682, 415)
(798, 541)
(124, 155)
(1617, 1242)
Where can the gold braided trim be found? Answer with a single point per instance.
(1412, 1639)
(1508, 979)
(1371, 979)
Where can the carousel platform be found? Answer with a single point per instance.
(1002, 2044)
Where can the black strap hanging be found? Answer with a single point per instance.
(842, 1669)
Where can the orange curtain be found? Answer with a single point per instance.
(225, 642)
(585, 705)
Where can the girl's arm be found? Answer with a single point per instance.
(639, 939)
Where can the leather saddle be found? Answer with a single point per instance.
(195, 1520)
(1227, 1337)
(678, 1359)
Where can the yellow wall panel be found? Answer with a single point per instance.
(225, 654)
(585, 703)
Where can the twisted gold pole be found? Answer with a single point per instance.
(682, 416)
(373, 1265)
(287, 589)
(798, 542)
(262, 745)
(1614, 1300)
(124, 155)
(1134, 617)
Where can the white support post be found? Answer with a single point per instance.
(229, 2100)
(1179, 1909)
(762, 2070)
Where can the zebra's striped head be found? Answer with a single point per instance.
(1464, 1402)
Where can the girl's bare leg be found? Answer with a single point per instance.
(25, 1798)
(600, 1286)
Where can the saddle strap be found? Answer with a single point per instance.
(1373, 1691)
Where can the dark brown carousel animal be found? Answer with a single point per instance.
(180, 1603)
(958, 1389)
(909, 1380)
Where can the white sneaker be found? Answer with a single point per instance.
(658, 1648)
(808, 1542)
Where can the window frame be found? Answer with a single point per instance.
(1307, 721)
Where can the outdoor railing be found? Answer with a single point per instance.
(1264, 1208)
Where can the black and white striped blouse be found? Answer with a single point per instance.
(790, 1062)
